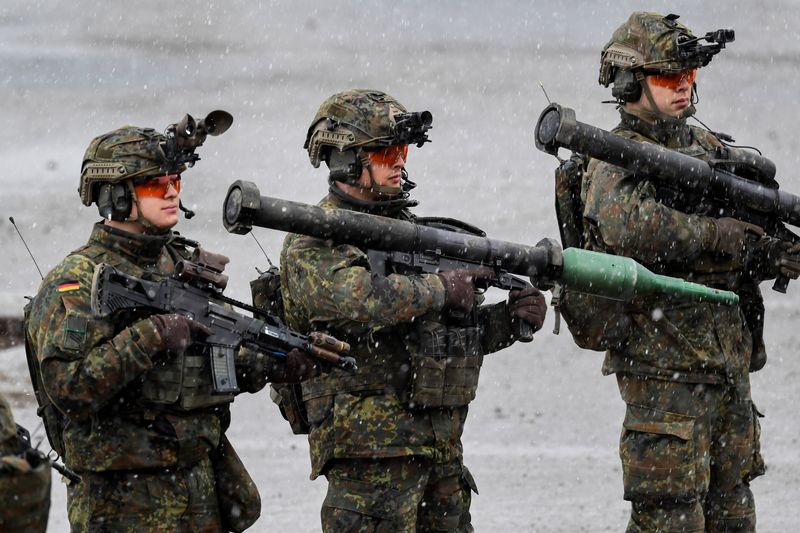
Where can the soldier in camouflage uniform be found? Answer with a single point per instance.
(24, 481)
(690, 438)
(388, 438)
(131, 404)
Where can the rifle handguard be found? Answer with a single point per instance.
(328, 342)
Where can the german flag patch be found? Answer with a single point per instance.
(67, 287)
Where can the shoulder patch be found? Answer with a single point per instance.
(74, 332)
(69, 286)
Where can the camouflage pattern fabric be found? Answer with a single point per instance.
(24, 487)
(690, 440)
(166, 500)
(363, 117)
(365, 416)
(404, 494)
(8, 429)
(689, 452)
(653, 40)
(93, 368)
(673, 340)
(120, 155)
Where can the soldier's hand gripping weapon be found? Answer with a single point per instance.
(420, 248)
(734, 184)
(195, 291)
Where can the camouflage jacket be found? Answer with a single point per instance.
(624, 216)
(24, 485)
(8, 430)
(92, 368)
(331, 288)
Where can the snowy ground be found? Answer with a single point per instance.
(542, 435)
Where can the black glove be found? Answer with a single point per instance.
(297, 366)
(772, 257)
(528, 305)
(177, 331)
(459, 287)
(734, 237)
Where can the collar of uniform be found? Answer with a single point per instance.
(668, 132)
(341, 201)
(140, 249)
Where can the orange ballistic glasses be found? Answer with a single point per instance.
(388, 156)
(158, 186)
(673, 80)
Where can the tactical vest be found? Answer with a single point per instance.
(430, 363)
(600, 324)
(180, 382)
(751, 300)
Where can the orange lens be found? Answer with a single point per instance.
(673, 80)
(388, 156)
(157, 187)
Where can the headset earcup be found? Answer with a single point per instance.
(626, 86)
(114, 201)
(344, 166)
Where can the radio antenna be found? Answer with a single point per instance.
(545, 92)
(262, 249)
(26, 247)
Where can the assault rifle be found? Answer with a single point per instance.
(734, 184)
(431, 249)
(195, 290)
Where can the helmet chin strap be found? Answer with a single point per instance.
(654, 113)
(149, 227)
(380, 189)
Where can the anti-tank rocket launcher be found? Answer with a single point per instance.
(425, 249)
(736, 184)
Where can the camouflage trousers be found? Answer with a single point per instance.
(689, 452)
(182, 499)
(393, 495)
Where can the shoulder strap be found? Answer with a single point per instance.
(569, 206)
(54, 421)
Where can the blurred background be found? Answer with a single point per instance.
(543, 431)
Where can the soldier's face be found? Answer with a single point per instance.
(671, 100)
(387, 168)
(161, 211)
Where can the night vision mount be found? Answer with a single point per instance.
(696, 55)
(185, 136)
(411, 128)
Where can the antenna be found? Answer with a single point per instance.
(26, 247)
(545, 92)
(262, 249)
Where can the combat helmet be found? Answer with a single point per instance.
(115, 161)
(650, 43)
(354, 122)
